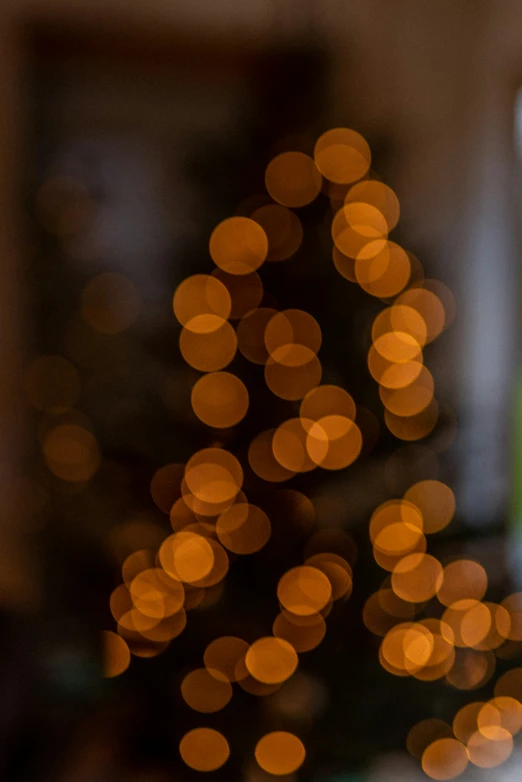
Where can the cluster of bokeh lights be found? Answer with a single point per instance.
(431, 616)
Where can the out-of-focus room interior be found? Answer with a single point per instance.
(261, 462)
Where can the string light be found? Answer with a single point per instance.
(211, 515)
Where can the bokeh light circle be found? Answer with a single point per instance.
(293, 179)
(223, 656)
(210, 351)
(417, 577)
(220, 399)
(238, 245)
(243, 528)
(204, 692)
(204, 749)
(271, 660)
(445, 759)
(342, 155)
(280, 753)
(304, 590)
(201, 303)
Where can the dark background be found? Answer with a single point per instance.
(170, 124)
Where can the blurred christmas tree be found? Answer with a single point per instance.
(216, 476)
